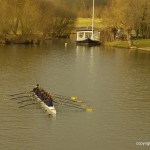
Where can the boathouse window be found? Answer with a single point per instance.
(81, 34)
(88, 34)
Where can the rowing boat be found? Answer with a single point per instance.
(51, 110)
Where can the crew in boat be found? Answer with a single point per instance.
(49, 101)
(41, 94)
(36, 89)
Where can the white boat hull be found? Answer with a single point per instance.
(50, 110)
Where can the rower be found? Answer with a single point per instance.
(41, 94)
(36, 89)
(49, 101)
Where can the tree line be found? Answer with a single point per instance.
(118, 14)
(27, 20)
(42, 19)
(127, 14)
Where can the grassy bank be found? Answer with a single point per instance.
(124, 44)
(84, 22)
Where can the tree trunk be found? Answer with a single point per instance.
(129, 36)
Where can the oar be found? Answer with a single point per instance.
(59, 95)
(69, 102)
(20, 97)
(62, 96)
(73, 99)
(29, 104)
(86, 109)
(20, 93)
(26, 100)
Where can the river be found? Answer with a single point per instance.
(114, 82)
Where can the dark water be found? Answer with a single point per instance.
(114, 82)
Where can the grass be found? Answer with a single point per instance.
(142, 43)
(84, 22)
(124, 44)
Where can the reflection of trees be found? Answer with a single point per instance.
(20, 59)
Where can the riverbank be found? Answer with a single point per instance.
(142, 44)
(20, 39)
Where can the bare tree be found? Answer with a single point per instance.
(135, 13)
(27, 20)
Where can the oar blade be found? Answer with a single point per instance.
(73, 98)
(89, 110)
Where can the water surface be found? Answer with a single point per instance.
(114, 82)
